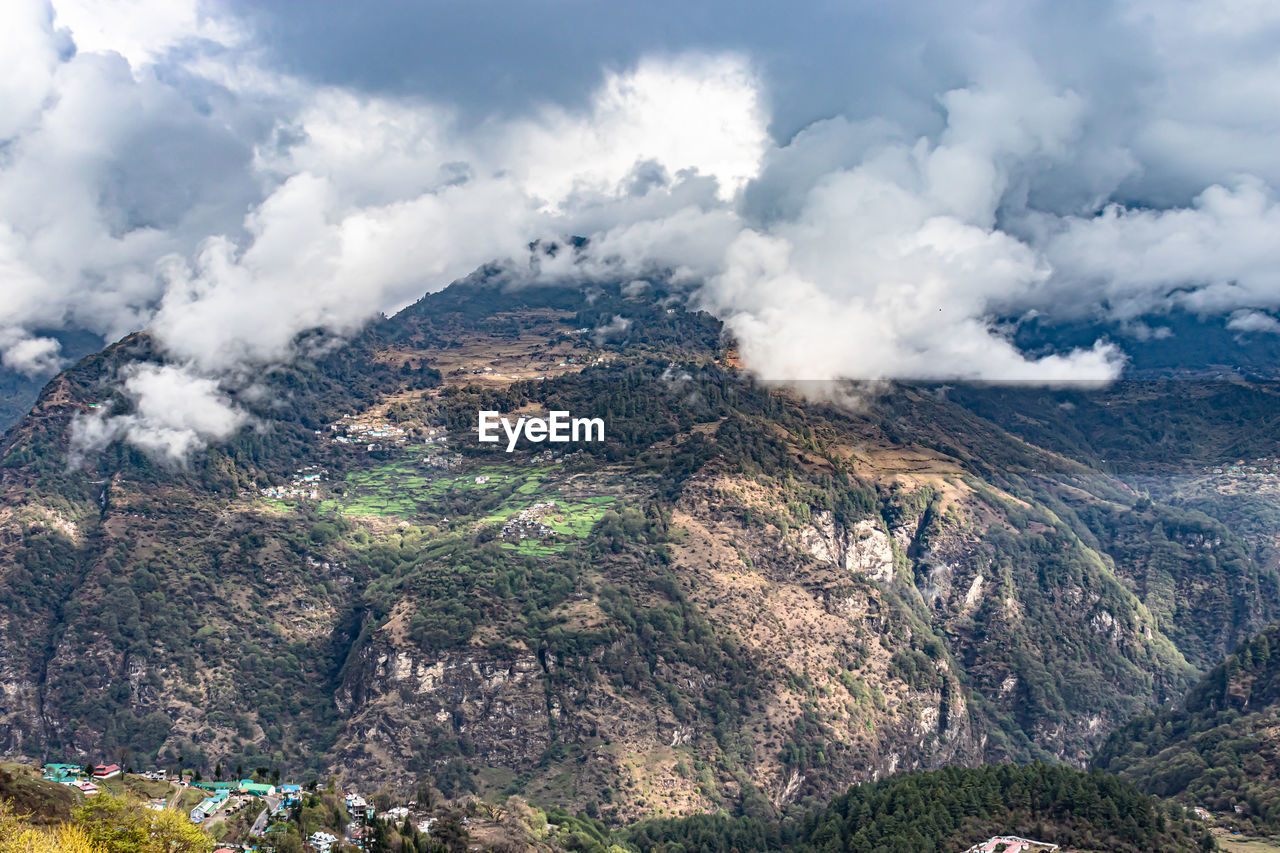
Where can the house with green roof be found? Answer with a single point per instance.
(64, 773)
(208, 807)
(248, 786)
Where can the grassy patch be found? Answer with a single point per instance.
(568, 520)
(29, 794)
(1243, 844)
(147, 789)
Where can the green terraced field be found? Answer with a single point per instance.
(571, 519)
(406, 488)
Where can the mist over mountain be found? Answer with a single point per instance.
(763, 595)
(19, 389)
(922, 366)
(216, 176)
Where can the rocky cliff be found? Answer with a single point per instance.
(743, 598)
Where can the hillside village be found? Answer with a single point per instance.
(218, 801)
(272, 802)
(1245, 468)
(1012, 844)
(304, 485)
(529, 523)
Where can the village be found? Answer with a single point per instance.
(220, 800)
(371, 431)
(529, 523)
(304, 485)
(1012, 844)
(1245, 468)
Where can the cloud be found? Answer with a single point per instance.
(28, 355)
(175, 412)
(142, 31)
(110, 169)
(697, 113)
(203, 171)
(891, 266)
(1213, 257)
(1253, 321)
(615, 328)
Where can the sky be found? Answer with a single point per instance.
(859, 189)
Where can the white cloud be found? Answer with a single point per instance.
(1253, 321)
(175, 412)
(28, 56)
(891, 267)
(1216, 256)
(615, 328)
(311, 263)
(157, 172)
(142, 30)
(30, 356)
(698, 113)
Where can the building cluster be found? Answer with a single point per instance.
(84, 779)
(397, 815)
(222, 799)
(1012, 844)
(436, 435)
(530, 523)
(572, 361)
(372, 432)
(231, 797)
(442, 461)
(304, 485)
(546, 457)
(322, 841)
(1241, 468)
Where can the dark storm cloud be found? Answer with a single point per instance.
(491, 57)
(817, 61)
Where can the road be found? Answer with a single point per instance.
(260, 825)
(177, 795)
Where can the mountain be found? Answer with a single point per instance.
(1218, 749)
(742, 598)
(1174, 343)
(948, 810)
(18, 390)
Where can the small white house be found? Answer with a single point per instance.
(322, 841)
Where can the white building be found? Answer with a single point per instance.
(322, 841)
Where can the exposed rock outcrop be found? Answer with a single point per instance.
(865, 548)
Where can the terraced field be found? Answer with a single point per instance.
(473, 495)
(569, 520)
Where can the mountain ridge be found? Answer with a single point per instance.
(764, 597)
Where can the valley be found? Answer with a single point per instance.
(742, 600)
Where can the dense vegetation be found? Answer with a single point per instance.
(179, 618)
(948, 810)
(1219, 749)
(103, 824)
(1137, 427)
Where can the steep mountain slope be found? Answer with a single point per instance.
(1219, 749)
(741, 598)
(949, 810)
(18, 390)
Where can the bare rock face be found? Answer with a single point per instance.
(495, 708)
(803, 604)
(19, 715)
(865, 548)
